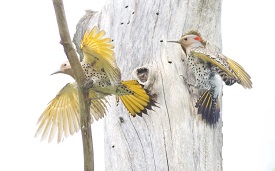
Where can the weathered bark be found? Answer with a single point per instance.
(84, 101)
(173, 137)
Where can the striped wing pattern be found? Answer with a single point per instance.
(62, 114)
(99, 52)
(229, 70)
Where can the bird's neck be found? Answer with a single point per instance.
(194, 45)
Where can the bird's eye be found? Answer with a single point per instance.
(64, 64)
(185, 38)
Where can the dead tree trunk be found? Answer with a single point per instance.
(173, 137)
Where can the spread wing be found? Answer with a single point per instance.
(99, 52)
(98, 108)
(62, 114)
(206, 56)
(243, 77)
(229, 70)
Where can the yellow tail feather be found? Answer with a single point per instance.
(208, 107)
(137, 102)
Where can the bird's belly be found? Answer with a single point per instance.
(201, 71)
(102, 85)
(101, 82)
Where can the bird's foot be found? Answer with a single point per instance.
(88, 84)
(192, 88)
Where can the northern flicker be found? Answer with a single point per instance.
(103, 78)
(209, 70)
(101, 70)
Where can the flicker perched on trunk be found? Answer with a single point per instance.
(103, 78)
(209, 70)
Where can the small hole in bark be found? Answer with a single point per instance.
(157, 13)
(121, 119)
(169, 62)
(133, 12)
(126, 6)
(113, 146)
(112, 40)
(128, 22)
(121, 23)
(161, 40)
(142, 74)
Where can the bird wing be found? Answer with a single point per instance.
(243, 77)
(206, 56)
(98, 108)
(231, 71)
(62, 114)
(99, 52)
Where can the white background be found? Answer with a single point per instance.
(30, 51)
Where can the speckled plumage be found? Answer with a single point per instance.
(101, 70)
(210, 70)
(207, 79)
(101, 82)
(62, 115)
(200, 69)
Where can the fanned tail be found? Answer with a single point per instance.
(136, 99)
(208, 107)
(241, 74)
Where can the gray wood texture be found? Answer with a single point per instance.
(173, 136)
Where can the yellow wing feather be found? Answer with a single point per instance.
(232, 68)
(56, 117)
(62, 114)
(243, 76)
(99, 51)
(98, 108)
(208, 58)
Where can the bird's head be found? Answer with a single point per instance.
(65, 68)
(190, 40)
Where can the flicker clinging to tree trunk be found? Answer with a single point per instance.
(209, 70)
(103, 78)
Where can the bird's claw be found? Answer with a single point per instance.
(88, 84)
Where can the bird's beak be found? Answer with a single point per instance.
(56, 72)
(172, 41)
